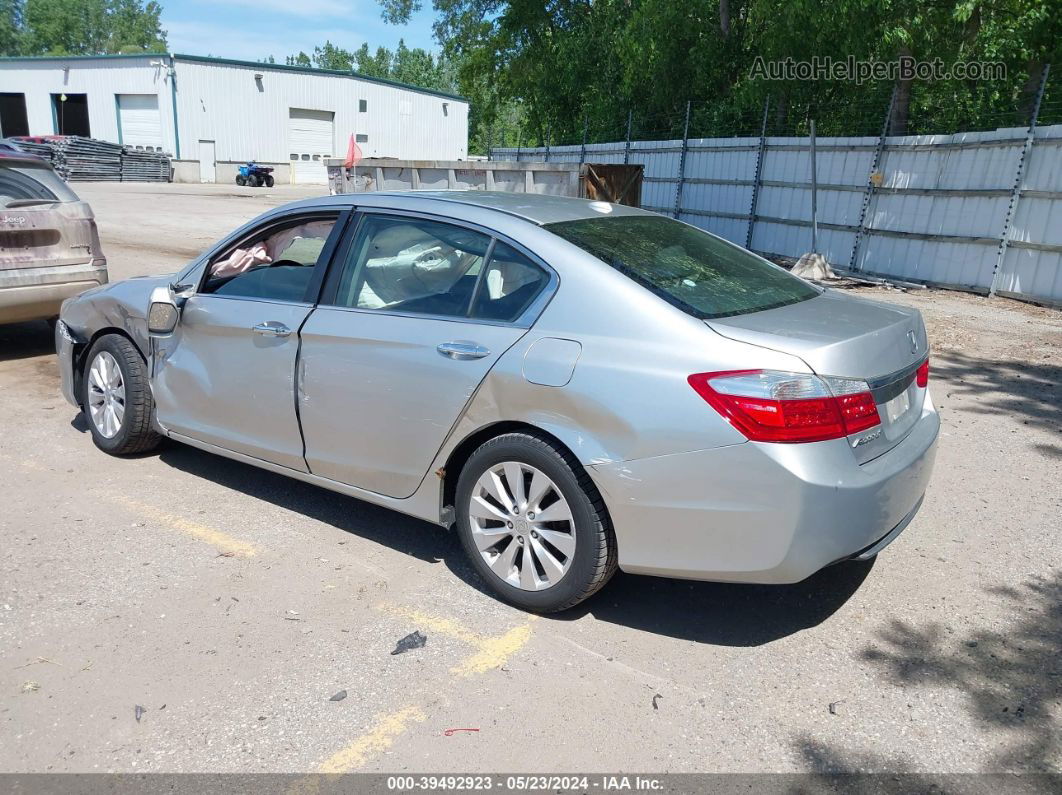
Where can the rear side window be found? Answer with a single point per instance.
(699, 273)
(509, 285)
(412, 265)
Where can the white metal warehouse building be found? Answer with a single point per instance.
(213, 114)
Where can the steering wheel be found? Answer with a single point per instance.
(285, 262)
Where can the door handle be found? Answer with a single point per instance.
(462, 350)
(271, 328)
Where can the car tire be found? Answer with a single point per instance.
(116, 397)
(534, 459)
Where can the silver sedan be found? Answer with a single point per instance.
(576, 386)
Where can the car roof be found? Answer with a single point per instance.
(534, 207)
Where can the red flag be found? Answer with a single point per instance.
(353, 154)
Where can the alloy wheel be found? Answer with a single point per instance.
(106, 395)
(522, 526)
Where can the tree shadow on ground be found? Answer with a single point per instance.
(716, 613)
(1011, 680)
(26, 340)
(1024, 390)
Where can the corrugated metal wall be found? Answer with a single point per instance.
(938, 215)
(248, 118)
(101, 79)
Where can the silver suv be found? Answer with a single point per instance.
(49, 247)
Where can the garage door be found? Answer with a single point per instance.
(140, 122)
(311, 140)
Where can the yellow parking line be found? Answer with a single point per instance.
(495, 652)
(378, 739)
(491, 652)
(443, 626)
(226, 544)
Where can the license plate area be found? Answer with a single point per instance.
(896, 408)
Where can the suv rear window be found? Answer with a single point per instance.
(27, 183)
(703, 275)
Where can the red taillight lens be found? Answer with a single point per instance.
(768, 406)
(922, 375)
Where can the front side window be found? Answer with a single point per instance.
(699, 273)
(276, 264)
(412, 265)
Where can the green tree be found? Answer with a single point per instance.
(568, 63)
(80, 27)
(11, 27)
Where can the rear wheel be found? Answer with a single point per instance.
(533, 524)
(116, 397)
(269, 180)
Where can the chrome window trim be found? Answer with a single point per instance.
(253, 298)
(524, 321)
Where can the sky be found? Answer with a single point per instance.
(255, 29)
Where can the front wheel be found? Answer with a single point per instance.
(252, 181)
(533, 524)
(116, 397)
(241, 180)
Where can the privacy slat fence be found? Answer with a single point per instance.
(937, 207)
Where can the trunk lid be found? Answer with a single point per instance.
(849, 337)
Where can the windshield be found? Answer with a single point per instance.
(699, 273)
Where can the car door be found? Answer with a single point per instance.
(415, 314)
(227, 374)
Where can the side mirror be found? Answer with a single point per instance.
(181, 293)
(163, 313)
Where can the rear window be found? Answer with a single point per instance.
(702, 275)
(25, 183)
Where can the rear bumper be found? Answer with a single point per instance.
(37, 293)
(764, 513)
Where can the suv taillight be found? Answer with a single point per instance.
(772, 406)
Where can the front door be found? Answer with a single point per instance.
(227, 374)
(418, 313)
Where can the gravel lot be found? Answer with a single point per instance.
(181, 612)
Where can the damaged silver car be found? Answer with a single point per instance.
(575, 386)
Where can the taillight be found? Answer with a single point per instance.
(922, 375)
(771, 406)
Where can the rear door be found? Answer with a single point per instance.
(227, 374)
(415, 314)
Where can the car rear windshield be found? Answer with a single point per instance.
(699, 273)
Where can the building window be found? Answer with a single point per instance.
(363, 105)
(362, 138)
